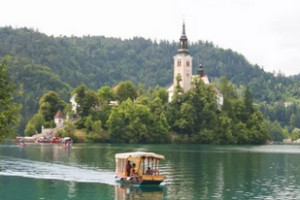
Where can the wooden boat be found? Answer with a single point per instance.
(143, 166)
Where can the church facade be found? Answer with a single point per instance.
(183, 65)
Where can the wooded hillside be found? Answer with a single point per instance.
(40, 63)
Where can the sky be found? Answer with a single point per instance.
(266, 32)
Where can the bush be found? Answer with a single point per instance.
(68, 131)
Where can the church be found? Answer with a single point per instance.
(183, 65)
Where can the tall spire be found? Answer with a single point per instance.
(183, 28)
(183, 47)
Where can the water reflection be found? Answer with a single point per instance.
(192, 171)
(124, 192)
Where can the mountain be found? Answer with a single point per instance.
(40, 63)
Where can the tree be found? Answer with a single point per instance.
(227, 88)
(34, 125)
(173, 109)
(94, 131)
(135, 122)
(224, 131)
(41, 63)
(116, 126)
(178, 91)
(274, 130)
(68, 131)
(87, 100)
(162, 94)
(248, 101)
(9, 110)
(295, 134)
(50, 103)
(125, 90)
(107, 94)
(186, 122)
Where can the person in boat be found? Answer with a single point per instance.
(133, 171)
(149, 171)
(128, 168)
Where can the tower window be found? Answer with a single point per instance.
(178, 63)
(187, 63)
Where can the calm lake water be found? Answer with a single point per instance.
(46, 171)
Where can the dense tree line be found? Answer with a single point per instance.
(34, 80)
(284, 117)
(147, 116)
(49, 104)
(196, 118)
(40, 63)
(9, 110)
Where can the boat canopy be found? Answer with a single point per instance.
(139, 155)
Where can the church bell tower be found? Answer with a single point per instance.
(183, 63)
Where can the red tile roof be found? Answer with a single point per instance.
(59, 114)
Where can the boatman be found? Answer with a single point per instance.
(128, 168)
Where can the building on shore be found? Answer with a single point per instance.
(183, 65)
(59, 119)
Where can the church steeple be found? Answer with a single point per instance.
(183, 63)
(183, 46)
(183, 28)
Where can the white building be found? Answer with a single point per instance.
(74, 103)
(59, 119)
(183, 63)
(183, 66)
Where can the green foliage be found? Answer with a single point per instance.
(194, 115)
(198, 118)
(286, 115)
(68, 131)
(248, 102)
(125, 90)
(8, 108)
(178, 91)
(295, 134)
(224, 131)
(227, 88)
(40, 63)
(107, 94)
(94, 131)
(50, 103)
(162, 94)
(134, 123)
(195, 110)
(34, 125)
(87, 100)
(274, 130)
(33, 81)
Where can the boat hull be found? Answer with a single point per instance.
(140, 180)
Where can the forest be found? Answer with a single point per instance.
(147, 116)
(39, 63)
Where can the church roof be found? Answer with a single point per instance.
(59, 114)
(183, 47)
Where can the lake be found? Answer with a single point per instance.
(86, 171)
